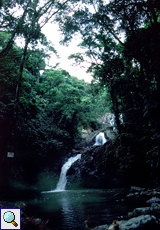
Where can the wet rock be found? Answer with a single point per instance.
(154, 209)
(89, 140)
(114, 226)
(139, 211)
(142, 218)
(150, 192)
(102, 227)
(156, 193)
(145, 193)
(89, 136)
(136, 189)
(85, 133)
(119, 196)
(130, 194)
(143, 222)
(98, 166)
(153, 200)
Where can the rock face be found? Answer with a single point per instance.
(154, 209)
(107, 120)
(98, 166)
(85, 133)
(90, 139)
(153, 200)
(146, 222)
(107, 123)
(143, 222)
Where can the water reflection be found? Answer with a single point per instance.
(72, 211)
(69, 209)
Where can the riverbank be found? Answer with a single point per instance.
(141, 218)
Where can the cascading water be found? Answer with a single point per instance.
(61, 185)
(100, 139)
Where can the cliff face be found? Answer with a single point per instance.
(107, 124)
(98, 166)
(109, 165)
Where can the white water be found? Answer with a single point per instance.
(61, 185)
(100, 139)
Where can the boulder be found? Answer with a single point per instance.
(139, 211)
(107, 120)
(136, 189)
(130, 194)
(98, 166)
(146, 222)
(154, 209)
(153, 200)
(85, 133)
(102, 227)
(113, 226)
(146, 193)
(88, 140)
(143, 222)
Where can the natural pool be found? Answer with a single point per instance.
(71, 208)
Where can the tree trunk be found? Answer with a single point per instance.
(21, 71)
(19, 82)
(115, 107)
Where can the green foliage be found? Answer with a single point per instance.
(41, 115)
(68, 104)
(129, 69)
(8, 77)
(46, 112)
(138, 93)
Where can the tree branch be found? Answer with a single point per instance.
(46, 21)
(11, 40)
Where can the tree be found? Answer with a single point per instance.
(67, 109)
(28, 27)
(128, 67)
(8, 77)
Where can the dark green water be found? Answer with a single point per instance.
(69, 209)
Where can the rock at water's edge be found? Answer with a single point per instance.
(143, 222)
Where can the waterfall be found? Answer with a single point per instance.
(61, 185)
(100, 139)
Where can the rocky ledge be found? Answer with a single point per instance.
(142, 218)
(142, 222)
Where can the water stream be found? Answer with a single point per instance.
(63, 179)
(61, 185)
(73, 209)
(100, 139)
